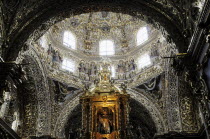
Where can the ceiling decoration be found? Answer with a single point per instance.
(91, 28)
(27, 17)
(126, 66)
(162, 103)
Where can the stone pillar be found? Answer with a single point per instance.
(188, 110)
(172, 101)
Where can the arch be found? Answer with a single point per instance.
(154, 112)
(74, 121)
(149, 11)
(139, 118)
(59, 131)
(141, 121)
(152, 108)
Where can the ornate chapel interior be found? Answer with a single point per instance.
(104, 69)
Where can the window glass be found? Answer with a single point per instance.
(113, 71)
(43, 41)
(144, 61)
(106, 47)
(68, 64)
(142, 35)
(69, 40)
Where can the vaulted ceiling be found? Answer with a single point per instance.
(92, 28)
(24, 19)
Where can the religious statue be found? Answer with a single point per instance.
(105, 123)
(87, 71)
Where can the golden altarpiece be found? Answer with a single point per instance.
(105, 109)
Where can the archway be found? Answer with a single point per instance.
(149, 112)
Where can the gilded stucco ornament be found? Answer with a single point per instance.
(40, 93)
(147, 11)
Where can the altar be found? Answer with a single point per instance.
(105, 109)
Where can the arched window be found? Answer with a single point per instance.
(68, 64)
(69, 40)
(144, 61)
(142, 35)
(106, 47)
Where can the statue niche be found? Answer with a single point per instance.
(105, 120)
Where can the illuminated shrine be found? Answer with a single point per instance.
(105, 109)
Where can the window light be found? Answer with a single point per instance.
(106, 47)
(142, 35)
(68, 64)
(43, 41)
(69, 40)
(113, 71)
(144, 61)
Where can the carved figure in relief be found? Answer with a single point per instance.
(93, 70)
(126, 69)
(120, 69)
(81, 66)
(55, 55)
(87, 71)
(132, 67)
(49, 50)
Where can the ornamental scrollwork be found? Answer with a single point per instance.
(42, 91)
